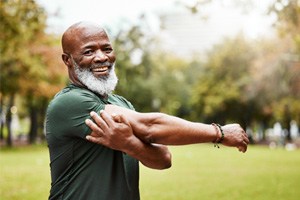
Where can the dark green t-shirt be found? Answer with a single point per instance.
(81, 170)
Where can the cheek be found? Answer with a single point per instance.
(85, 63)
(112, 57)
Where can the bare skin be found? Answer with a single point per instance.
(164, 129)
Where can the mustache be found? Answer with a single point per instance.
(95, 65)
(105, 64)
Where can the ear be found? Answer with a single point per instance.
(67, 59)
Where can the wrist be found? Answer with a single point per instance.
(219, 134)
(222, 134)
(132, 146)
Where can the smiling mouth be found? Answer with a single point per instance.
(99, 71)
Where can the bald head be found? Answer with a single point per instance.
(76, 34)
(88, 54)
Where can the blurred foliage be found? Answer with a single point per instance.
(29, 67)
(220, 94)
(286, 106)
(288, 19)
(238, 80)
(151, 78)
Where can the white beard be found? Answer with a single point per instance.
(103, 85)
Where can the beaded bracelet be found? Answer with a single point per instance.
(222, 132)
(218, 140)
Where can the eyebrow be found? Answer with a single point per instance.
(93, 44)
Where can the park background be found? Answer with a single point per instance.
(210, 61)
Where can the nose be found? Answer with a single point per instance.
(100, 56)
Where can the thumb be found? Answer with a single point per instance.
(120, 118)
(116, 118)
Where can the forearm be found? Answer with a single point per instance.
(151, 155)
(170, 130)
(165, 129)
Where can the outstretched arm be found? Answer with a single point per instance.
(169, 130)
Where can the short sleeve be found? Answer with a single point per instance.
(67, 113)
(120, 101)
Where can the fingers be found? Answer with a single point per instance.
(100, 121)
(240, 148)
(246, 139)
(245, 136)
(107, 118)
(244, 142)
(95, 129)
(98, 127)
(104, 121)
(243, 147)
(97, 140)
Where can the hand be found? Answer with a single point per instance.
(235, 136)
(113, 132)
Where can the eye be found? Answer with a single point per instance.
(108, 50)
(88, 52)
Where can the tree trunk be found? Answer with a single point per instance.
(33, 132)
(9, 119)
(1, 119)
(42, 117)
(287, 123)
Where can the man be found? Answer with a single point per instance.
(99, 160)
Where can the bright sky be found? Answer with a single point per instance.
(100, 11)
(224, 19)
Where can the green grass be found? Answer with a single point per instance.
(24, 173)
(198, 172)
(204, 172)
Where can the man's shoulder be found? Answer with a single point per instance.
(72, 97)
(72, 94)
(120, 100)
(116, 96)
(71, 91)
(67, 112)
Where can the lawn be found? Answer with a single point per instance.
(198, 172)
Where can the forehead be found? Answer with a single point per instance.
(92, 34)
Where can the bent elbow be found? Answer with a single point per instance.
(163, 162)
(168, 164)
(167, 161)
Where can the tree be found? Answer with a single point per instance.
(287, 24)
(21, 22)
(220, 93)
(41, 87)
(22, 36)
(288, 19)
(151, 78)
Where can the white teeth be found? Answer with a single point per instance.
(100, 69)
